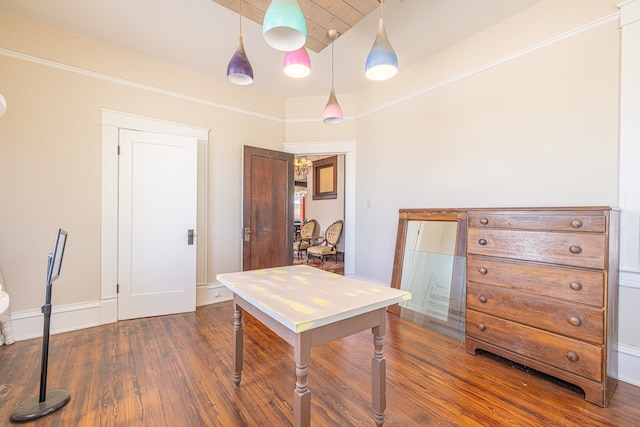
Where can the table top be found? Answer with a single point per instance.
(301, 297)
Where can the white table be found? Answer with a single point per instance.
(307, 307)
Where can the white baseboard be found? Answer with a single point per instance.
(212, 294)
(64, 318)
(109, 310)
(70, 317)
(629, 364)
(29, 324)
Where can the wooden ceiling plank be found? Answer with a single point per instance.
(320, 31)
(323, 9)
(314, 45)
(364, 7)
(321, 16)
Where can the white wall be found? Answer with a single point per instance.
(629, 348)
(536, 129)
(526, 113)
(51, 158)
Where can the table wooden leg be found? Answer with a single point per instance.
(237, 345)
(378, 375)
(302, 393)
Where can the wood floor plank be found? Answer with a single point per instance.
(177, 371)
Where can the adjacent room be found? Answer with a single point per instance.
(444, 197)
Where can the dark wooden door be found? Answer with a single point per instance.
(267, 209)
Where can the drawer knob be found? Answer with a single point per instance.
(576, 286)
(482, 270)
(482, 298)
(575, 249)
(572, 356)
(576, 223)
(484, 221)
(482, 326)
(482, 242)
(574, 321)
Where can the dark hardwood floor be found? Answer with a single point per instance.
(177, 371)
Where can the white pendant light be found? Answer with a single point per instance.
(332, 113)
(382, 61)
(284, 27)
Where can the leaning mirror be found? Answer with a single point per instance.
(430, 263)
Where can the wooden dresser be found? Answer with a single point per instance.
(542, 290)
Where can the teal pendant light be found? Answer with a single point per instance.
(284, 27)
(382, 62)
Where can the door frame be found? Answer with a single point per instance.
(112, 122)
(348, 148)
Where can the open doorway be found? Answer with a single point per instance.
(319, 198)
(348, 150)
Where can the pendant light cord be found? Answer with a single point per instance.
(333, 35)
(332, 62)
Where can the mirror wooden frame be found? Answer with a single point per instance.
(427, 214)
(325, 178)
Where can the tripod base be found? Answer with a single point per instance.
(33, 409)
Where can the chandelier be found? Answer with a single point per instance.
(302, 167)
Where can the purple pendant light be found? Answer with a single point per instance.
(239, 70)
(332, 113)
(297, 63)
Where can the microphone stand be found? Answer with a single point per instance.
(45, 403)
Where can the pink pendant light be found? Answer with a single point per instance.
(332, 113)
(297, 63)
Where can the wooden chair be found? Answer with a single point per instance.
(303, 241)
(329, 245)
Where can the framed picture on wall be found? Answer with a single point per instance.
(325, 177)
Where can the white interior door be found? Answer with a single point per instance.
(157, 208)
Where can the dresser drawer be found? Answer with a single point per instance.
(573, 249)
(572, 320)
(574, 356)
(531, 220)
(571, 284)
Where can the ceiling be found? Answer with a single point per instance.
(202, 34)
(320, 15)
